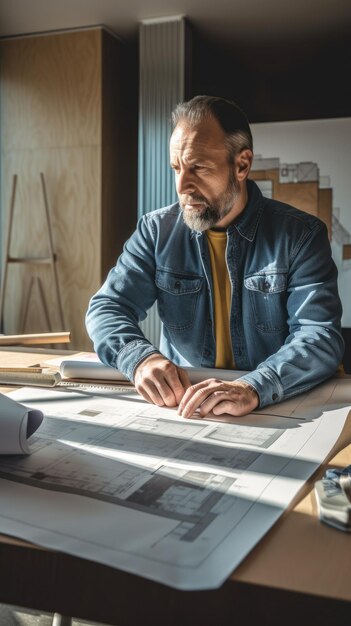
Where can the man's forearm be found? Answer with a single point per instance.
(309, 358)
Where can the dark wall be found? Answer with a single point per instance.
(281, 80)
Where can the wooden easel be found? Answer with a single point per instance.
(49, 260)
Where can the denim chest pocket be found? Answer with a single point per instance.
(268, 296)
(177, 298)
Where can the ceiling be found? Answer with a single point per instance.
(219, 20)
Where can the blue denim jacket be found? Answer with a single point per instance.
(285, 313)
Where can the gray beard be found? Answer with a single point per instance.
(210, 215)
(203, 220)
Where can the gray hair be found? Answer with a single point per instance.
(228, 114)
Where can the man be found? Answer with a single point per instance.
(240, 281)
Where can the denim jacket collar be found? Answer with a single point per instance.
(247, 222)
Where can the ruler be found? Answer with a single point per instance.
(95, 387)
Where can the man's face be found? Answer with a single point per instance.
(205, 180)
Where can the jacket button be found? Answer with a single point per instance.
(274, 396)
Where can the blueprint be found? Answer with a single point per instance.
(116, 480)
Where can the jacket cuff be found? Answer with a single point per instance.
(266, 384)
(131, 355)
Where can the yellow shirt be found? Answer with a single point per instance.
(217, 242)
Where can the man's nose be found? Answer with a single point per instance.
(185, 182)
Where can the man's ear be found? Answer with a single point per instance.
(243, 162)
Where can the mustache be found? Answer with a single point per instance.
(193, 198)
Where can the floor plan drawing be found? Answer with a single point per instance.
(123, 482)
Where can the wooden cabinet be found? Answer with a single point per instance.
(69, 111)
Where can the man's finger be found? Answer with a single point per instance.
(192, 390)
(211, 402)
(170, 385)
(194, 401)
(162, 381)
(148, 397)
(220, 397)
(167, 392)
(149, 393)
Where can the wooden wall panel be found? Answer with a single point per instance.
(346, 251)
(51, 118)
(51, 94)
(325, 208)
(306, 196)
(73, 182)
(67, 110)
(265, 175)
(303, 196)
(272, 175)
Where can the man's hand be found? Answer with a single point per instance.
(216, 396)
(161, 382)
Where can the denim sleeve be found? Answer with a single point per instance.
(114, 312)
(314, 346)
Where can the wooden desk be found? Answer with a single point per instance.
(300, 573)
